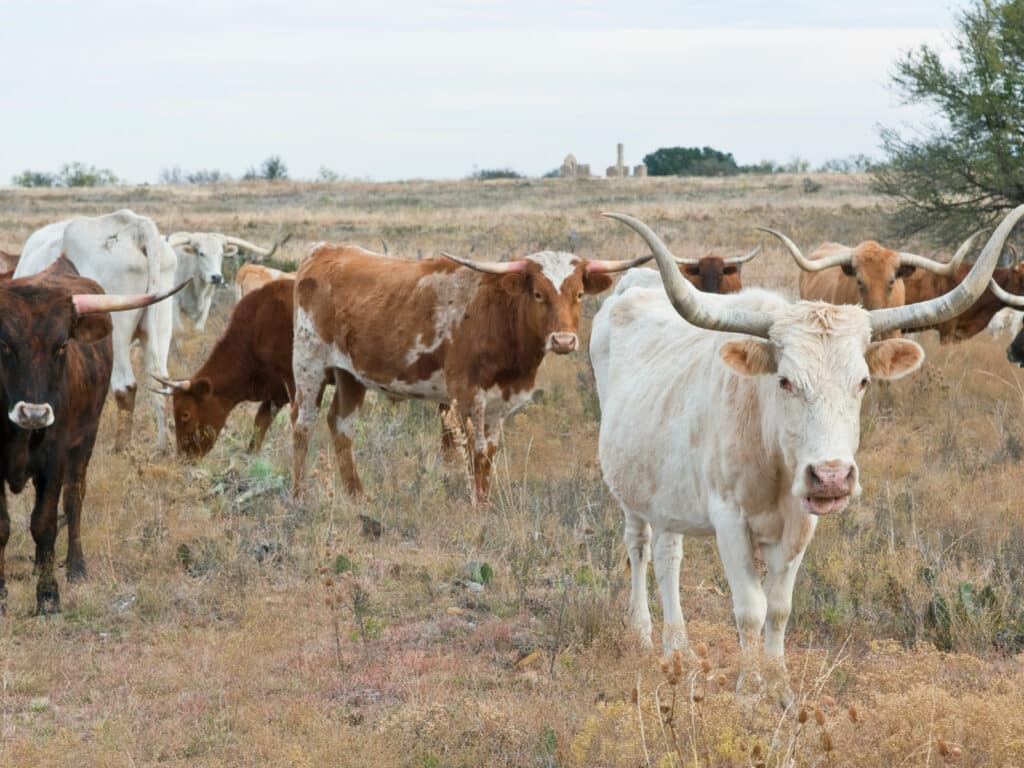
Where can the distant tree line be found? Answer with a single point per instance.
(70, 175)
(708, 161)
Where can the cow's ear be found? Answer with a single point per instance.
(200, 387)
(905, 271)
(89, 329)
(514, 283)
(893, 358)
(596, 282)
(749, 357)
(848, 270)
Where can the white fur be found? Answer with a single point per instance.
(556, 266)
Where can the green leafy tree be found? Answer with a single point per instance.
(690, 161)
(967, 168)
(34, 179)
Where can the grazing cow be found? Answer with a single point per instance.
(1007, 284)
(252, 276)
(448, 330)
(125, 254)
(200, 257)
(758, 474)
(252, 361)
(868, 274)
(55, 364)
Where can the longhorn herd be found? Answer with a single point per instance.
(666, 346)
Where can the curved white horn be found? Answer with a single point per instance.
(938, 267)
(490, 267)
(175, 385)
(744, 259)
(811, 265)
(179, 238)
(687, 300)
(608, 265)
(245, 245)
(90, 303)
(949, 305)
(1009, 299)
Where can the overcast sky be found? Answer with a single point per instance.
(392, 90)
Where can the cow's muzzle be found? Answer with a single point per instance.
(563, 343)
(31, 415)
(217, 279)
(829, 485)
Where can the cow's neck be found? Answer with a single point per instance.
(504, 334)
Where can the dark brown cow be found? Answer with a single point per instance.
(713, 274)
(55, 363)
(447, 330)
(976, 319)
(251, 362)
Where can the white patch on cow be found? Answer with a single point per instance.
(556, 266)
(454, 291)
(433, 388)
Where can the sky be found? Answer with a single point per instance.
(411, 89)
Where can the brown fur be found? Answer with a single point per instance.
(377, 310)
(36, 317)
(713, 275)
(925, 285)
(874, 278)
(252, 276)
(251, 362)
(8, 261)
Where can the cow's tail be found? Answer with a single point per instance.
(153, 246)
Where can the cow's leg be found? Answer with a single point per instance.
(638, 548)
(5, 534)
(779, 589)
(74, 495)
(453, 436)
(156, 347)
(264, 418)
(668, 556)
(486, 438)
(308, 367)
(748, 599)
(44, 533)
(205, 302)
(341, 420)
(122, 378)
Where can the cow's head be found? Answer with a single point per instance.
(878, 272)
(816, 360)
(550, 286)
(208, 252)
(39, 316)
(198, 415)
(713, 274)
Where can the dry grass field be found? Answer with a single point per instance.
(224, 626)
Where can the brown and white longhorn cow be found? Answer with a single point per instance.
(447, 330)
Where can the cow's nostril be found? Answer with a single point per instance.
(217, 279)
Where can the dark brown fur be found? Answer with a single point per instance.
(712, 275)
(925, 285)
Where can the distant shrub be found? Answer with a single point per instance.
(34, 179)
(811, 186)
(272, 169)
(690, 161)
(327, 175)
(486, 174)
(860, 163)
(176, 175)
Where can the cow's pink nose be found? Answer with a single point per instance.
(831, 478)
(562, 343)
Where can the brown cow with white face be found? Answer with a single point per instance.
(447, 330)
(868, 274)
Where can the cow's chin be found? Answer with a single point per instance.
(825, 505)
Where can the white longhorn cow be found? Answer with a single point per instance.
(738, 417)
(125, 254)
(200, 257)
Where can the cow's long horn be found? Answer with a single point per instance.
(937, 267)
(490, 267)
(811, 265)
(174, 385)
(1009, 299)
(744, 259)
(691, 305)
(179, 238)
(90, 303)
(949, 305)
(245, 245)
(607, 265)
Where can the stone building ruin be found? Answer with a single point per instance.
(571, 169)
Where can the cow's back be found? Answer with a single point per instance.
(272, 311)
(829, 285)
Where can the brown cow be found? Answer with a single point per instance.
(252, 276)
(868, 274)
(251, 362)
(977, 318)
(448, 330)
(713, 274)
(55, 363)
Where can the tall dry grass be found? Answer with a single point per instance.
(222, 625)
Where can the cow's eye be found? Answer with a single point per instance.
(185, 416)
(785, 384)
(61, 349)
(579, 296)
(538, 296)
(863, 384)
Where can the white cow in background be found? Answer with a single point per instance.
(125, 254)
(200, 257)
(738, 416)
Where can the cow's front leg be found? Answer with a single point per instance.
(486, 437)
(638, 549)
(44, 533)
(779, 588)
(5, 534)
(668, 556)
(748, 598)
(264, 418)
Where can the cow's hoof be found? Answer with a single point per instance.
(76, 572)
(47, 605)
